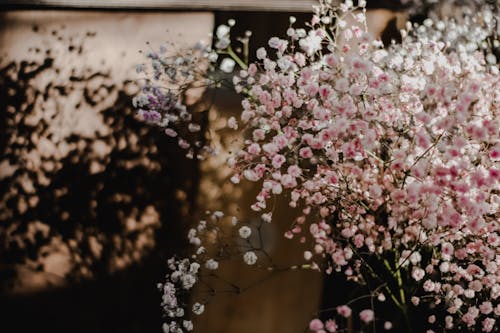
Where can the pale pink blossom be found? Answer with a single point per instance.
(366, 316)
(344, 310)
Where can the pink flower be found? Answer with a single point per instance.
(294, 171)
(305, 152)
(342, 85)
(332, 60)
(278, 161)
(494, 174)
(398, 195)
(299, 59)
(358, 65)
(486, 307)
(470, 317)
(495, 152)
(170, 132)
(251, 175)
(254, 149)
(184, 144)
(331, 325)
(488, 324)
(423, 139)
(344, 310)
(288, 181)
(359, 240)
(252, 70)
(316, 325)
(447, 250)
(366, 316)
(232, 123)
(259, 134)
(279, 44)
(270, 148)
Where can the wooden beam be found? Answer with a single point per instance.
(204, 5)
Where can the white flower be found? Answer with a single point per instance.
(367, 315)
(188, 281)
(245, 232)
(211, 264)
(198, 308)
(188, 325)
(251, 175)
(212, 56)
(191, 233)
(195, 241)
(194, 267)
(234, 220)
(261, 53)
(418, 273)
(267, 217)
(179, 312)
(415, 258)
(218, 214)
(194, 128)
(274, 42)
(444, 267)
(311, 44)
(227, 65)
(222, 31)
(491, 59)
(250, 258)
(469, 293)
(232, 123)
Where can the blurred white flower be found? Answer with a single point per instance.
(227, 65)
(245, 232)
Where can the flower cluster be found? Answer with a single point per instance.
(164, 99)
(390, 155)
(215, 239)
(174, 82)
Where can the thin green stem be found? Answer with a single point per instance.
(236, 58)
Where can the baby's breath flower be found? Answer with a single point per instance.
(245, 232)
(227, 65)
(250, 258)
(211, 264)
(198, 308)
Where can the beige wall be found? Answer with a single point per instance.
(38, 131)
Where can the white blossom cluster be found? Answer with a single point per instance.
(208, 234)
(182, 277)
(400, 144)
(469, 25)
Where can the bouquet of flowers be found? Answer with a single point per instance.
(390, 154)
